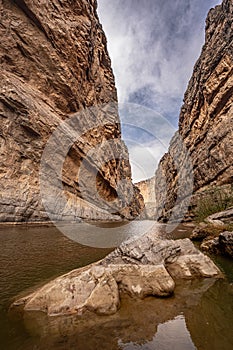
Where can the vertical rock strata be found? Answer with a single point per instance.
(54, 63)
(147, 189)
(206, 119)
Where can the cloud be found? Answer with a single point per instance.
(153, 46)
(144, 159)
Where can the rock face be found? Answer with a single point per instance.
(206, 119)
(146, 266)
(54, 63)
(223, 244)
(147, 189)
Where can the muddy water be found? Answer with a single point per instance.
(198, 316)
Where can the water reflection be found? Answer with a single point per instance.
(171, 335)
(197, 317)
(107, 235)
(210, 322)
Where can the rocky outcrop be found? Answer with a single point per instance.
(222, 244)
(205, 123)
(180, 257)
(96, 289)
(147, 190)
(222, 217)
(215, 235)
(54, 67)
(199, 233)
(142, 267)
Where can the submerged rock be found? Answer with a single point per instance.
(141, 267)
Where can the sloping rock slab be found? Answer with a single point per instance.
(221, 217)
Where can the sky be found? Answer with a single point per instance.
(153, 46)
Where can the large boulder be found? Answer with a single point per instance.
(141, 267)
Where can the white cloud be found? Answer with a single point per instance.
(144, 159)
(154, 44)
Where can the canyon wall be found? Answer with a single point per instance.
(55, 67)
(205, 123)
(147, 189)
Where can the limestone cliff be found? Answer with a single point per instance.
(54, 63)
(147, 189)
(206, 119)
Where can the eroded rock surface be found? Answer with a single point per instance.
(54, 63)
(147, 189)
(142, 267)
(205, 123)
(180, 257)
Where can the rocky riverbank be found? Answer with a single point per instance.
(216, 233)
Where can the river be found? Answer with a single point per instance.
(198, 316)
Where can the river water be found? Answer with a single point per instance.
(198, 316)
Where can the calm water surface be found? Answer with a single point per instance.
(199, 315)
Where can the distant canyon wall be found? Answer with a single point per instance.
(54, 64)
(147, 189)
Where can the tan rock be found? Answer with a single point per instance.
(222, 244)
(199, 233)
(190, 266)
(147, 189)
(143, 280)
(223, 217)
(139, 268)
(210, 245)
(104, 299)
